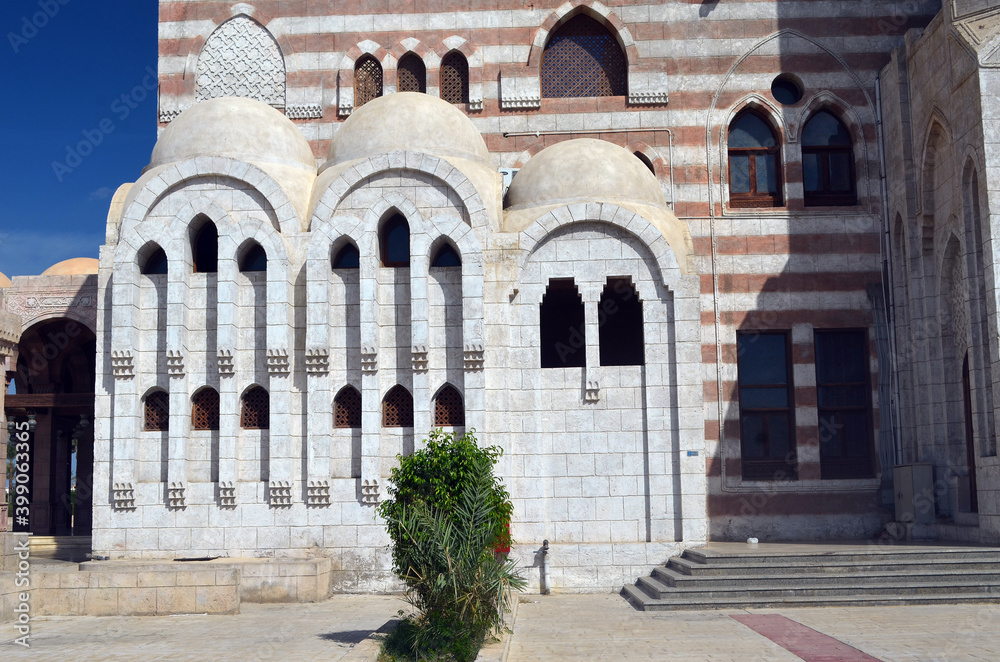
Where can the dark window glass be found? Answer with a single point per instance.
(411, 76)
(620, 323)
(347, 408)
(347, 257)
(562, 332)
(767, 427)
(786, 91)
(255, 413)
(367, 80)
(583, 59)
(754, 163)
(156, 263)
(448, 407)
(827, 162)
(397, 408)
(254, 259)
(206, 249)
(844, 404)
(395, 242)
(455, 78)
(446, 257)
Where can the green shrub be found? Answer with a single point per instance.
(445, 515)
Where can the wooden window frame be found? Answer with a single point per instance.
(753, 199)
(378, 86)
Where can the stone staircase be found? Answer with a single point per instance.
(65, 548)
(738, 575)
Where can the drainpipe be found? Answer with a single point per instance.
(546, 590)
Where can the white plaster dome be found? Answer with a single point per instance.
(77, 266)
(237, 128)
(408, 121)
(583, 169)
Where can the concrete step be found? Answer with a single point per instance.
(875, 555)
(643, 602)
(833, 566)
(773, 577)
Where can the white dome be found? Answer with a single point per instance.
(77, 266)
(408, 121)
(583, 169)
(234, 127)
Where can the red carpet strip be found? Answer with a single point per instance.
(810, 645)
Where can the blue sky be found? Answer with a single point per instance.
(79, 119)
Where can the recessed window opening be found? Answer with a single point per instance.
(455, 78)
(367, 80)
(395, 242)
(397, 408)
(255, 259)
(206, 249)
(255, 409)
(786, 90)
(645, 161)
(562, 331)
(347, 257)
(767, 423)
(205, 409)
(347, 408)
(827, 162)
(448, 407)
(446, 256)
(844, 404)
(620, 324)
(583, 59)
(411, 75)
(754, 163)
(156, 263)
(157, 412)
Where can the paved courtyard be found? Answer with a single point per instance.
(561, 627)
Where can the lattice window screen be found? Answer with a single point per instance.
(397, 408)
(367, 80)
(242, 59)
(583, 59)
(205, 410)
(411, 76)
(255, 413)
(157, 412)
(455, 78)
(347, 408)
(448, 409)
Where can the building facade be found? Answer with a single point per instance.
(703, 271)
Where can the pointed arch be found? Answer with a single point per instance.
(367, 80)
(755, 165)
(347, 408)
(454, 81)
(205, 409)
(444, 254)
(252, 257)
(449, 409)
(255, 409)
(936, 145)
(204, 245)
(346, 256)
(397, 408)
(221, 72)
(394, 240)
(828, 172)
(152, 260)
(582, 58)
(411, 74)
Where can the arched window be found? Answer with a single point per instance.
(254, 259)
(206, 249)
(446, 256)
(562, 332)
(455, 78)
(620, 322)
(347, 408)
(205, 409)
(394, 240)
(156, 263)
(397, 408)
(827, 162)
(367, 80)
(157, 408)
(347, 257)
(411, 75)
(583, 59)
(255, 409)
(448, 407)
(645, 161)
(754, 163)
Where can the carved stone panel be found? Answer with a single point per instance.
(242, 59)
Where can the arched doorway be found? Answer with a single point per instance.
(52, 389)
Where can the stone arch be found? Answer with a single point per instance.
(935, 153)
(595, 10)
(345, 74)
(241, 38)
(474, 59)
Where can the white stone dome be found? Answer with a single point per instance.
(237, 128)
(77, 266)
(408, 121)
(583, 169)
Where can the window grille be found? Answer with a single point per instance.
(583, 59)
(455, 78)
(367, 80)
(448, 408)
(411, 75)
(205, 410)
(347, 408)
(397, 408)
(256, 410)
(754, 163)
(157, 412)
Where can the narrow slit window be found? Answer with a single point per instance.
(562, 331)
(206, 249)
